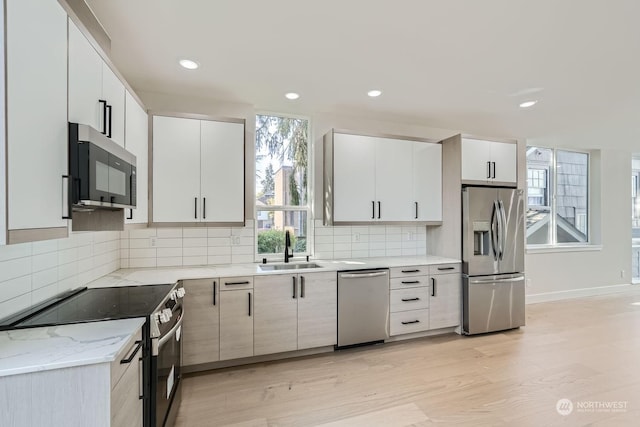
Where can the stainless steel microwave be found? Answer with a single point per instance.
(102, 174)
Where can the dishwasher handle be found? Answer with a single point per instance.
(362, 275)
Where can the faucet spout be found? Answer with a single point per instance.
(287, 245)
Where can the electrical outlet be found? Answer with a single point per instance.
(356, 237)
(152, 241)
(622, 274)
(235, 240)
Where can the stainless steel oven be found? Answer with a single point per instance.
(166, 359)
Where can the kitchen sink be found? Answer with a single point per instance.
(291, 266)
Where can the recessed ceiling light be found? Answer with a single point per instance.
(188, 64)
(528, 104)
(374, 93)
(291, 95)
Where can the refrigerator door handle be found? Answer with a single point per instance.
(495, 229)
(510, 279)
(503, 229)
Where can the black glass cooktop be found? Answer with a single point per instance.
(100, 304)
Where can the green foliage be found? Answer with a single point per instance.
(272, 242)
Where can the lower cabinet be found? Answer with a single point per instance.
(126, 386)
(201, 337)
(445, 298)
(294, 312)
(236, 318)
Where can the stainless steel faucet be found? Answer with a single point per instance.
(287, 245)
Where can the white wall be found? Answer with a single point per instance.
(32, 272)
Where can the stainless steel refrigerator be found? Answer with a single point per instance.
(492, 259)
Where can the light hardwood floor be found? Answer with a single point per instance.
(585, 350)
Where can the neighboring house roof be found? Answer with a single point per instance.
(537, 220)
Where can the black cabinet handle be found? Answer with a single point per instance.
(301, 286)
(445, 268)
(488, 170)
(195, 208)
(112, 199)
(410, 271)
(433, 287)
(104, 116)
(379, 209)
(214, 292)
(135, 351)
(67, 203)
(416, 210)
(130, 216)
(246, 282)
(410, 299)
(204, 208)
(109, 131)
(373, 210)
(410, 282)
(294, 286)
(410, 322)
(249, 303)
(494, 170)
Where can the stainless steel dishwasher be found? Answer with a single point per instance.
(363, 306)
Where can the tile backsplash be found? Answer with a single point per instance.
(176, 247)
(33, 272)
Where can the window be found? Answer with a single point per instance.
(557, 196)
(282, 193)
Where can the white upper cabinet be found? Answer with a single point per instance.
(369, 179)
(222, 171)
(137, 142)
(36, 85)
(427, 181)
(489, 162)
(96, 95)
(176, 169)
(198, 171)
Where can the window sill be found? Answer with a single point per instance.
(546, 249)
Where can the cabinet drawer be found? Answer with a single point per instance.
(409, 299)
(236, 283)
(406, 322)
(117, 368)
(408, 282)
(445, 268)
(415, 270)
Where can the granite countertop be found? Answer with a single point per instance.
(53, 347)
(169, 275)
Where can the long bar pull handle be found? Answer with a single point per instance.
(133, 353)
(66, 202)
(416, 209)
(245, 282)
(410, 282)
(494, 231)
(488, 170)
(503, 229)
(204, 208)
(434, 291)
(373, 210)
(249, 303)
(494, 170)
(215, 285)
(140, 379)
(410, 322)
(195, 208)
(410, 271)
(130, 216)
(445, 268)
(410, 299)
(302, 283)
(104, 116)
(109, 110)
(295, 285)
(379, 204)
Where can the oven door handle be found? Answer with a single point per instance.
(164, 339)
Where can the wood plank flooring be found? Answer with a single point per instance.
(586, 350)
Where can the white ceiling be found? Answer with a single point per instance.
(455, 64)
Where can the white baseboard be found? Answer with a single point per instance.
(579, 293)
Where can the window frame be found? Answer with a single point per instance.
(308, 208)
(552, 182)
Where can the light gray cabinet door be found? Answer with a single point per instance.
(276, 318)
(317, 310)
(445, 301)
(201, 336)
(236, 324)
